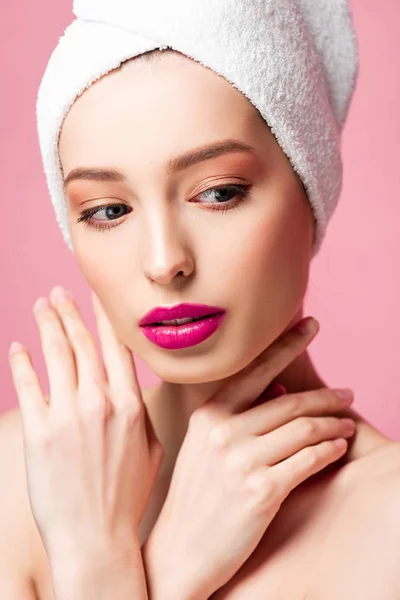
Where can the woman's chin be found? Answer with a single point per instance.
(205, 371)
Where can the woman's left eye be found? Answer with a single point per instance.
(225, 192)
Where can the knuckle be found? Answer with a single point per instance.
(263, 488)
(308, 426)
(193, 420)
(310, 457)
(239, 462)
(39, 437)
(26, 380)
(287, 342)
(236, 463)
(61, 425)
(130, 411)
(291, 342)
(83, 338)
(58, 346)
(199, 418)
(294, 405)
(331, 423)
(126, 398)
(327, 395)
(93, 403)
(94, 411)
(220, 435)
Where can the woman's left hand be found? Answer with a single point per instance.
(91, 453)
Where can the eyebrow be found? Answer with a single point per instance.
(174, 165)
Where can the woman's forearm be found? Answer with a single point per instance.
(111, 575)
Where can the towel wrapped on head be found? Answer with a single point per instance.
(295, 60)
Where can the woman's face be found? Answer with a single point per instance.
(172, 237)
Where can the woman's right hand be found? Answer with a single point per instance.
(237, 464)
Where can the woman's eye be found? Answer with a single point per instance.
(225, 193)
(223, 196)
(110, 210)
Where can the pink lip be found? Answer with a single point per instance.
(179, 311)
(174, 337)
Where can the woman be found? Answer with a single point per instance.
(228, 513)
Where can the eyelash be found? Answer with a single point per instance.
(86, 216)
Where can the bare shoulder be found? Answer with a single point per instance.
(16, 550)
(375, 489)
(361, 553)
(14, 503)
(379, 470)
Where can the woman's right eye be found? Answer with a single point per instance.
(87, 216)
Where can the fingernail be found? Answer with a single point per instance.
(340, 443)
(348, 424)
(59, 294)
(345, 394)
(309, 325)
(41, 303)
(15, 347)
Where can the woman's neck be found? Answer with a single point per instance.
(171, 405)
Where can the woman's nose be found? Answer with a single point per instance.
(166, 254)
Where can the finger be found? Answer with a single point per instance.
(57, 351)
(118, 359)
(27, 386)
(241, 389)
(270, 415)
(89, 371)
(292, 437)
(291, 472)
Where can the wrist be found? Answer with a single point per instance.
(115, 571)
(171, 579)
(96, 559)
(74, 551)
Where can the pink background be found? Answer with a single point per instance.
(354, 286)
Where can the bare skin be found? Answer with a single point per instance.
(170, 249)
(320, 513)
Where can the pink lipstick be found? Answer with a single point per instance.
(158, 328)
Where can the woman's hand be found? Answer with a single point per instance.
(239, 460)
(91, 453)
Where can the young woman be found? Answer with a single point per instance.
(224, 481)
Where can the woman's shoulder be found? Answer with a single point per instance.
(16, 521)
(12, 468)
(380, 468)
(361, 553)
(371, 483)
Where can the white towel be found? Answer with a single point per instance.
(295, 60)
